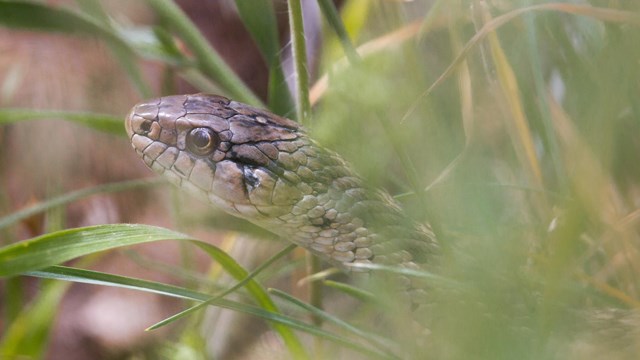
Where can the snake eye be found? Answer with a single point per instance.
(202, 141)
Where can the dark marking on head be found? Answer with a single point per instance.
(250, 178)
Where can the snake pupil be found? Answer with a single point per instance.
(202, 141)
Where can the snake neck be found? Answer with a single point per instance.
(345, 222)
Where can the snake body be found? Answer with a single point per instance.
(265, 168)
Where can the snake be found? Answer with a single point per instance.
(265, 168)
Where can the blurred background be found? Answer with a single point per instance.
(510, 126)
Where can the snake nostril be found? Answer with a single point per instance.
(146, 126)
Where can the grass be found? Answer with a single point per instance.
(511, 127)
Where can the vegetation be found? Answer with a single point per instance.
(511, 127)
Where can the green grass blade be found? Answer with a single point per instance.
(423, 274)
(105, 279)
(54, 248)
(303, 106)
(330, 13)
(259, 294)
(34, 16)
(73, 196)
(378, 342)
(66, 273)
(27, 336)
(124, 55)
(280, 100)
(228, 291)
(208, 60)
(354, 292)
(14, 298)
(260, 20)
(538, 81)
(602, 14)
(102, 122)
(128, 61)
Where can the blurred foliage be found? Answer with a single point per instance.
(512, 127)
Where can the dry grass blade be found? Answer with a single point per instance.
(595, 189)
(384, 42)
(465, 90)
(611, 291)
(519, 127)
(602, 14)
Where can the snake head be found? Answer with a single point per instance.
(264, 168)
(242, 159)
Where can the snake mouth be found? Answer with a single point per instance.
(127, 124)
